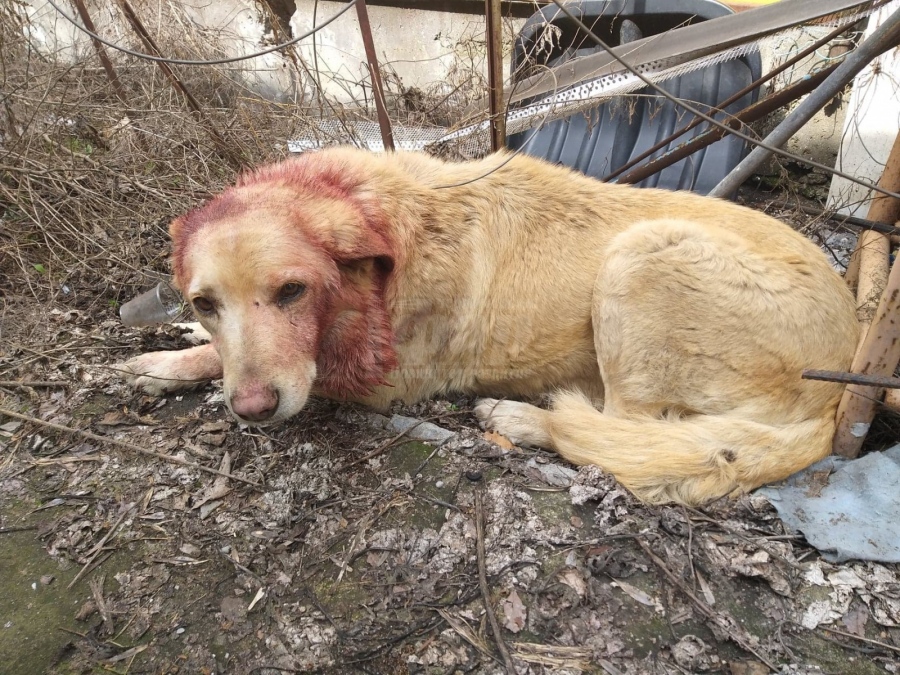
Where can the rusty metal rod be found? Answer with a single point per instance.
(101, 53)
(772, 74)
(852, 378)
(495, 73)
(150, 44)
(384, 122)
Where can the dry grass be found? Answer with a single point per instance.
(88, 183)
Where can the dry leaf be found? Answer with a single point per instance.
(638, 595)
(498, 439)
(515, 612)
(573, 579)
(218, 489)
(114, 419)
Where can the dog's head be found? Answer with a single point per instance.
(287, 270)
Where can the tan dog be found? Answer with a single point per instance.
(371, 278)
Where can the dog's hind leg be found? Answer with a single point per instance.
(158, 373)
(700, 343)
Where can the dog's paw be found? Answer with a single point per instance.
(158, 373)
(194, 332)
(521, 423)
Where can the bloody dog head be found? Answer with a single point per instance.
(287, 271)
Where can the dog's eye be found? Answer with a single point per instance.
(290, 292)
(204, 305)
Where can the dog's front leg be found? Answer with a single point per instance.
(158, 373)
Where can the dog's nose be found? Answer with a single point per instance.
(255, 403)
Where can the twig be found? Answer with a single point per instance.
(127, 446)
(390, 442)
(98, 548)
(883, 645)
(102, 605)
(25, 528)
(90, 160)
(729, 627)
(32, 383)
(852, 378)
(483, 583)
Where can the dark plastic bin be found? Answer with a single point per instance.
(605, 138)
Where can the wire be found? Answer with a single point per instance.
(211, 62)
(515, 153)
(679, 102)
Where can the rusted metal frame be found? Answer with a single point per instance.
(879, 350)
(384, 122)
(493, 30)
(771, 75)
(101, 53)
(749, 114)
(226, 150)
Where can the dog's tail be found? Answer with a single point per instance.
(691, 459)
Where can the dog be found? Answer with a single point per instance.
(671, 328)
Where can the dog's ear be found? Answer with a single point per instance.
(357, 351)
(354, 230)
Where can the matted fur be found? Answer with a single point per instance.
(688, 320)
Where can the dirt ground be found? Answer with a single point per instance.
(340, 545)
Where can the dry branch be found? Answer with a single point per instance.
(728, 626)
(127, 446)
(483, 584)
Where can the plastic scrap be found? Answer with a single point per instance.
(847, 509)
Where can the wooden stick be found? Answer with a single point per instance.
(483, 584)
(873, 254)
(883, 645)
(852, 378)
(737, 637)
(98, 548)
(879, 350)
(127, 446)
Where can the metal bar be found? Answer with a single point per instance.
(101, 53)
(840, 219)
(384, 122)
(749, 114)
(852, 378)
(494, 37)
(150, 44)
(885, 37)
(772, 74)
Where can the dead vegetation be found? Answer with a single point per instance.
(155, 536)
